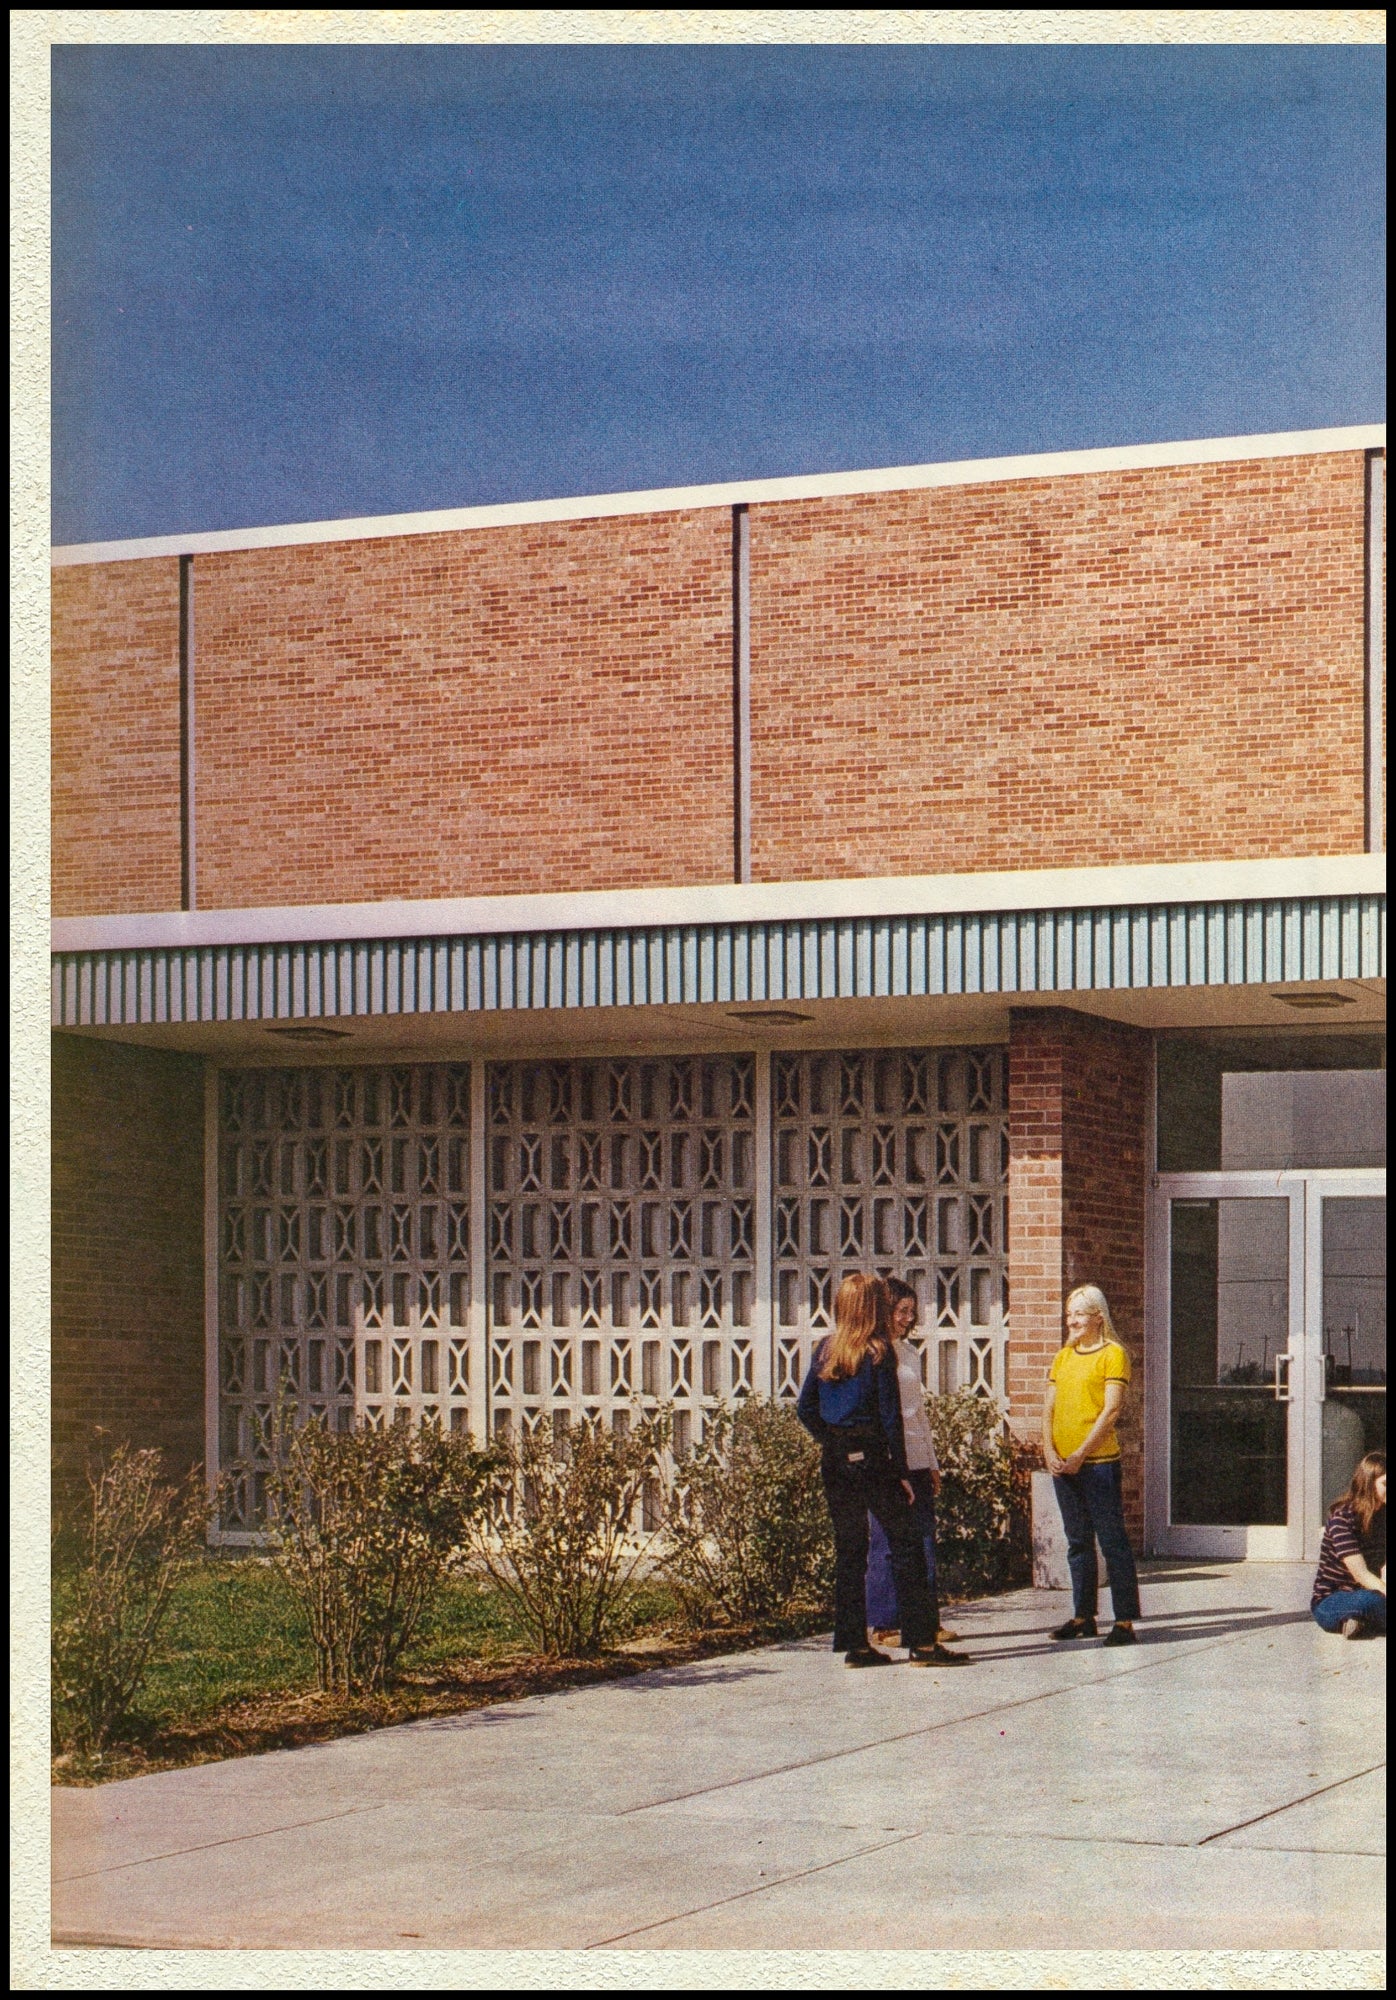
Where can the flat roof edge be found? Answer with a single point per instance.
(751, 492)
(838, 900)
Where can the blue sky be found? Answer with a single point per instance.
(300, 283)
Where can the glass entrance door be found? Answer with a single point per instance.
(1270, 1297)
(1346, 1266)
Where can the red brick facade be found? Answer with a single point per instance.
(116, 738)
(128, 1248)
(530, 708)
(1078, 1113)
(1093, 669)
(1109, 668)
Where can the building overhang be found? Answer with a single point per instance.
(1021, 937)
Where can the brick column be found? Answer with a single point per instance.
(1078, 1175)
(128, 1235)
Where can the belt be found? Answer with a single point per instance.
(860, 1447)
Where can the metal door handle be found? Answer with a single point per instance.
(1282, 1360)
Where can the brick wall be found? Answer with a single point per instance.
(1078, 1116)
(517, 709)
(116, 738)
(1146, 666)
(128, 1286)
(1156, 665)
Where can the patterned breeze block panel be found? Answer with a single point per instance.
(626, 1202)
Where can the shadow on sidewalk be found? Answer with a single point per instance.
(1247, 1613)
(698, 1673)
(1162, 1572)
(701, 1673)
(1164, 1631)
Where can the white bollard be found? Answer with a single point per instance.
(1049, 1570)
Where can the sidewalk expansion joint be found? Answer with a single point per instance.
(1290, 1804)
(920, 1833)
(228, 1840)
(930, 1728)
(756, 1889)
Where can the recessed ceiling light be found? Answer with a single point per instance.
(308, 1034)
(1314, 1000)
(774, 1015)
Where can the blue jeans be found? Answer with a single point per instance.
(1092, 1507)
(881, 1594)
(1368, 1605)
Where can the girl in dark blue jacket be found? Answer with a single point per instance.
(851, 1405)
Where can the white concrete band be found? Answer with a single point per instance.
(739, 492)
(721, 903)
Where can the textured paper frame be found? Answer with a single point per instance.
(35, 1965)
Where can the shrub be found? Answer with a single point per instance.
(977, 1548)
(364, 1527)
(118, 1550)
(748, 1535)
(1026, 1456)
(557, 1538)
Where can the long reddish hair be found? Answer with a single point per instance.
(861, 1327)
(1361, 1495)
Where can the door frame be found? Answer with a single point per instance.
(1305, 1189)
(1355, 1183)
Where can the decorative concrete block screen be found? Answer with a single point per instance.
(656, 1230)
(622, 1240)
(895, 1160)
(344, 1256)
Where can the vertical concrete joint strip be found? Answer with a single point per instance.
(764, 1347)
(478, 1251)
(188, 881)
(741, 694)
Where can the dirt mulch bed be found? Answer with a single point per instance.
(280, 1721)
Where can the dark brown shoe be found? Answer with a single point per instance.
(1077, 1628)
(866, 1656)
(1120, 1635)
(936, 1656)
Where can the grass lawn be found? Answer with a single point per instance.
(234, 1632)
(233, 1673)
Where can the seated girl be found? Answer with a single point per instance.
(1350, 1588)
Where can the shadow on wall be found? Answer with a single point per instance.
(128, 1251)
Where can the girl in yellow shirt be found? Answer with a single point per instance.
(1085, 1392)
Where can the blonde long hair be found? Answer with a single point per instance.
(860, 1327)
(1092, 1299)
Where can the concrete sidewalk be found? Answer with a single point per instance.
(1219, 1786)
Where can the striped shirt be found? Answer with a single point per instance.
(1343, 1536)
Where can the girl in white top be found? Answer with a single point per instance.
(916, 1425)
(882, 1610)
